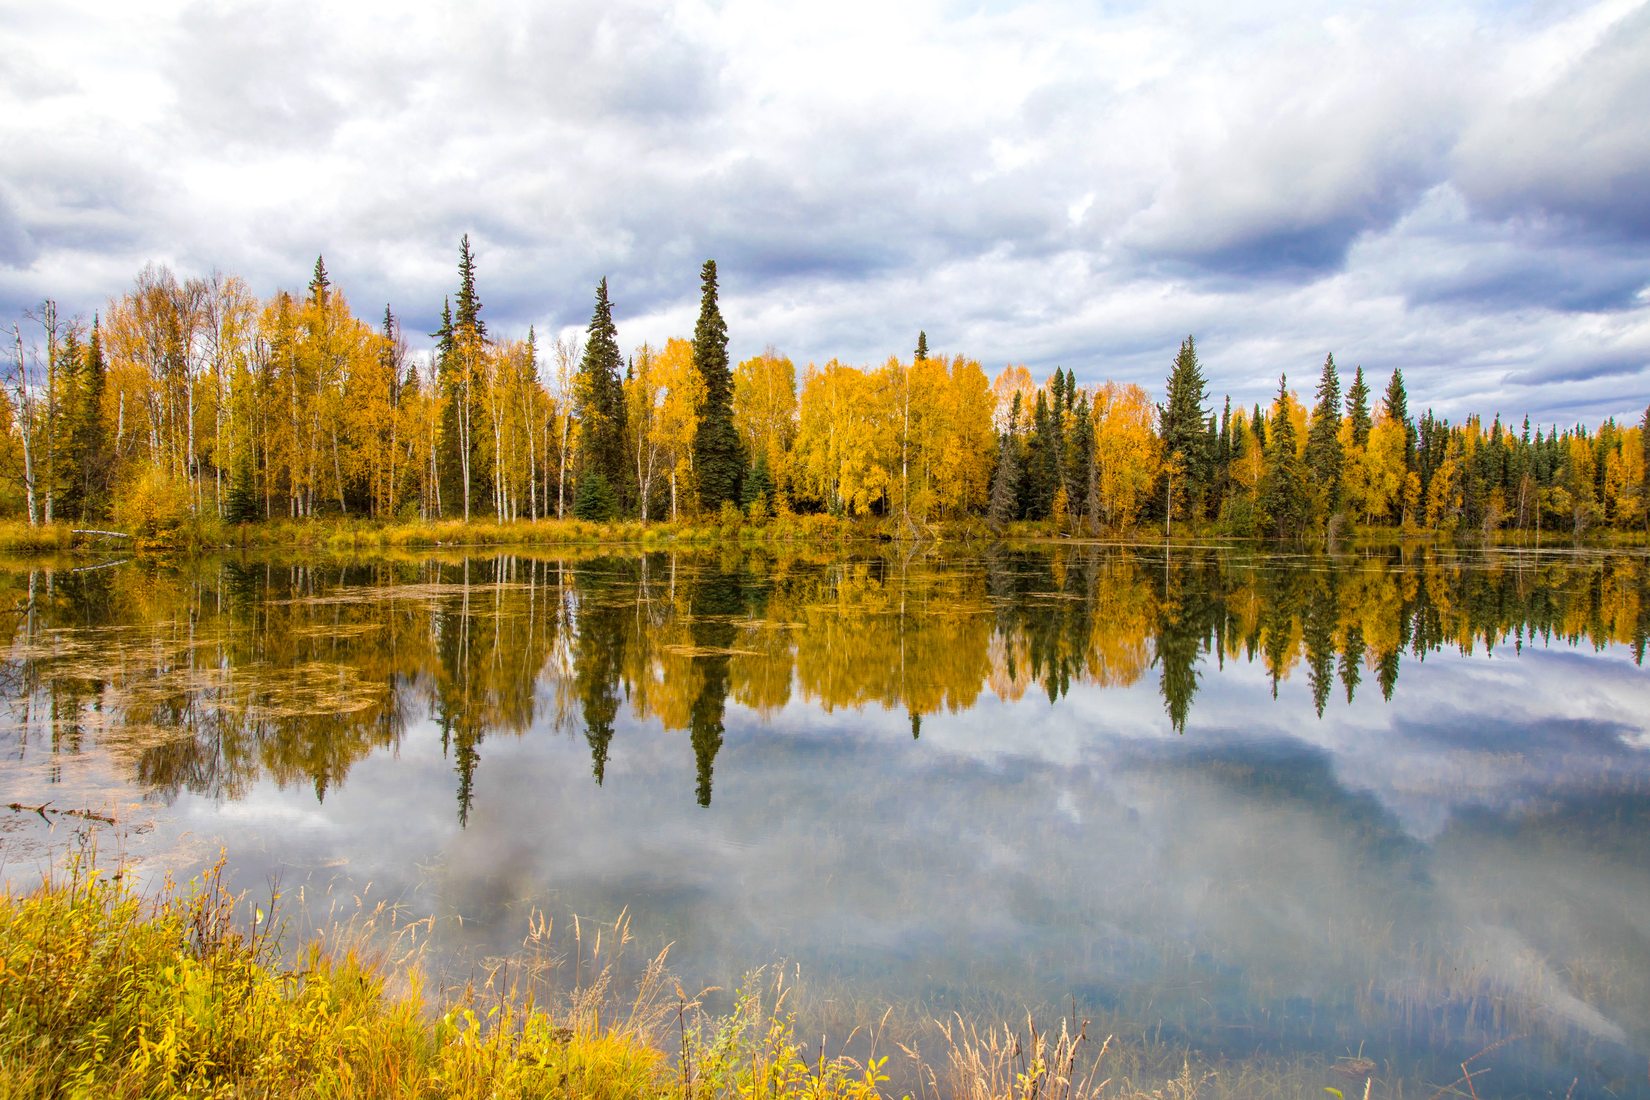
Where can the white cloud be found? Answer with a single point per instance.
(1044, 182)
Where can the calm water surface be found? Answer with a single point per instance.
(1274, 806)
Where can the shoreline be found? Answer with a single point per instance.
(342, 534)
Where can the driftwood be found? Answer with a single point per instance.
(43, 809)
(104, 534)
(99, 565)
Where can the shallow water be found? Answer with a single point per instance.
(1295, 807)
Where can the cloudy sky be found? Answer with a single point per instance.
(1462, 192)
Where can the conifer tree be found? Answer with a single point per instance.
(757, 491)
(1081, 476)
(718, 453)
(1323, 442)
(600, 401)
(319, 284)
(469, 304)
(1005, 479)
(1185, 432)
(1397, 410)
(447, 465)
(1283, 500)
(1357, 409)
(922, 347)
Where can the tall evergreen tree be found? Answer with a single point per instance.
(600, 401)
(1644, 444)
(1082, 477)
(718, 453)
(1041, 471)
(922, 346)
(1283, 497)
(1184, 429)
(1357, 409)
(319, 284)
(448, 466)
(1396, 402)
(1323, 442)
(1004, 504)
(469, 304)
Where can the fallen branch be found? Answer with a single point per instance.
(105, 534)
(99, 565)
(43, 809)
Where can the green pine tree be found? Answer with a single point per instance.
(1396, 402)
(922, 347)
(600, 402)
(92, 458)
(1324, 458)
(1184, 429)
(469, 304)
(1283, 493)
(594, 499)
(1357, 409)
(1004, 503)
(718, 453)
(756, 495)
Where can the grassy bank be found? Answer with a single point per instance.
(187, 993)
(349, 535)
(346, 534)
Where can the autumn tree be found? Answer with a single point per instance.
(1127, 452)
(643, 393)
(764, 408)
(681, 392)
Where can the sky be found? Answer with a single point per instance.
(1458, 191)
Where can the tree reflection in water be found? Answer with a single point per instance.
(206, 677)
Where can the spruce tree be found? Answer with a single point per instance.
(718, 453)
(1005, 479)
(1323, 441)
(1644, 444)
(922, 347)
(1082, 476)
(600, 402)
(1357, 409)
(757, 492)
(1396, 402)
(449, 490)
(319, 284)
(1184, 429)
(469, 304)
(1283, 501)
(88, 434)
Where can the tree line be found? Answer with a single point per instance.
(195, 398)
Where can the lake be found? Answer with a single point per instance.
(1278, 809)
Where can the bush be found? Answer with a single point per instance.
(594, 501)
(153, 506)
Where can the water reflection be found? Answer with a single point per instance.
(205, 678)
(1186, 788)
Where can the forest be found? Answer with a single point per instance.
(191, 400)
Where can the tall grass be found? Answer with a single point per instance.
(107, 993)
